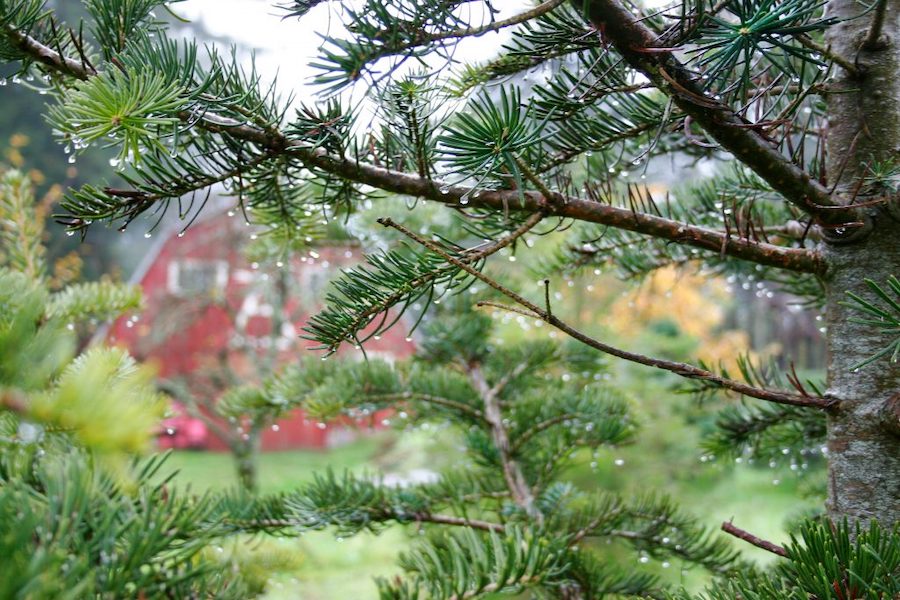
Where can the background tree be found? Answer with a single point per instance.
(801, 100)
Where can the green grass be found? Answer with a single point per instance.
(278, 471)
(331, 568)
(664, 459)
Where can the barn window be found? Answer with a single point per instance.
(190, 277)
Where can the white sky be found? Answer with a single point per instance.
(286, 46)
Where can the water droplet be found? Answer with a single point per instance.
(72, 159)
(70, 233)
(148, 235)
(114, 162)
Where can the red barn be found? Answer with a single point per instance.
(210, 310)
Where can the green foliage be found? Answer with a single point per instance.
(487, 142)
(825, 561)
(364, 295)
(20, 227)
(883, 313)
(766, 432)
(80, 517)
(748, 71)
(116, 22)
(726, 43)
(100, 300)
(495, 399)
(126, 107)
(68, 531)
(464, 564)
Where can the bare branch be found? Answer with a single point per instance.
(47, 56)
(682, 369)
(737, 532)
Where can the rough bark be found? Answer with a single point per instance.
(864, 126)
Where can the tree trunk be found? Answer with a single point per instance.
(863, 129)
(246, 455)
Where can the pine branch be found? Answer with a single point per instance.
(638, 46)
(792, 259)
(681, 369)
(584, 210)
(429, 399)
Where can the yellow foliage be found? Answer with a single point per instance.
(66, 270)
(692, 302)
(19, 140)
(14, 157)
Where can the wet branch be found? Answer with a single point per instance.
(681, 369)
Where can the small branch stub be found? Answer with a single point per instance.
(890, 415)
(748, 537)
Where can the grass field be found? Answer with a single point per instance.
(333, 568)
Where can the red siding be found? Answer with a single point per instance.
(181, 346)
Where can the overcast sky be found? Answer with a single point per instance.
(286, 46)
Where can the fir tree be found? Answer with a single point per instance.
(84, 513)
(799, 96)
(502, 518)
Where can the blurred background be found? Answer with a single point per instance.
(217, 316)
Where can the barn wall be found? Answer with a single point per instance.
(180, 340)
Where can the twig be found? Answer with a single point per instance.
(873, 39)
(681, 369)
(827, 52)
(547, 297)
(748, 537)
(459, 521)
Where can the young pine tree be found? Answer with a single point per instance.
(501, 517)
(82, 515)
(796, 100)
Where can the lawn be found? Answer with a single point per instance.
(335, 568)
